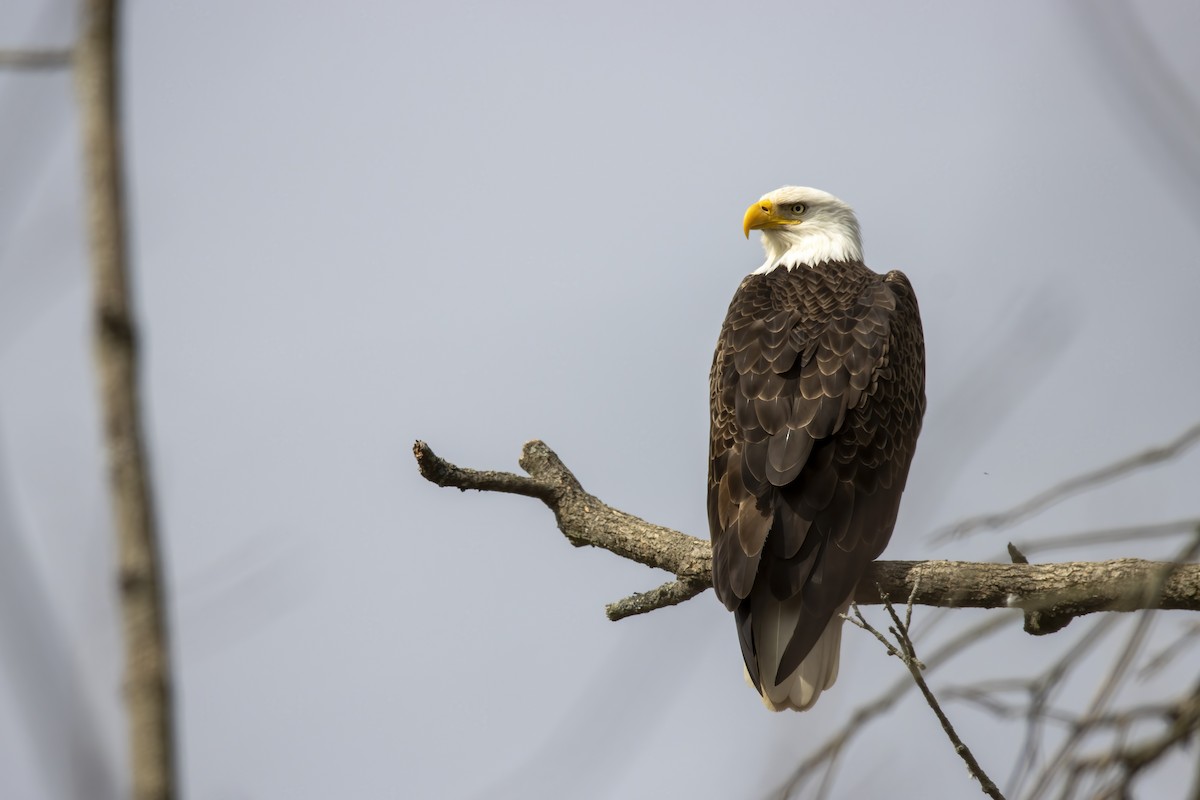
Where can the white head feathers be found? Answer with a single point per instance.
(802, 226)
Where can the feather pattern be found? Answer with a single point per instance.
(817, 394)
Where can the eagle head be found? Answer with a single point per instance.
(802, 226)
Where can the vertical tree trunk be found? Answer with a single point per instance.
(147, 683)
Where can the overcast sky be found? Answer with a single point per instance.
(360, 224)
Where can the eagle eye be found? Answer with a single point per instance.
(798, 209)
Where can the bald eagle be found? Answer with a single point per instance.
(817, 393)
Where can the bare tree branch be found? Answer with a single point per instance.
(1059, 592)
(671, 593)
(1062, 491)
(147, 682)
(582, 518)
(1050, 595)
(48, 59)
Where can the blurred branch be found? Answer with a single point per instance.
(1060, 592)
(36, 59)
(1062, 491)
(1125, 533)
(1042, 690)
(1121, 668)
(1164, 656)
(1116, 769)
(1183, 719)
(147, 683)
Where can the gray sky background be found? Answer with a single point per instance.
(360, 224)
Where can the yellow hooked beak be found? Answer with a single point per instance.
(761, 214)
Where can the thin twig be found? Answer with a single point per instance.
(833, 746)
(905, 650)
(857, 619)
(1062, 491)
(147, 673)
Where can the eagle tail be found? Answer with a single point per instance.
(816, 673)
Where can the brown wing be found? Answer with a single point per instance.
(817, 393)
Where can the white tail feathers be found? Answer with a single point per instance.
(773, 625)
